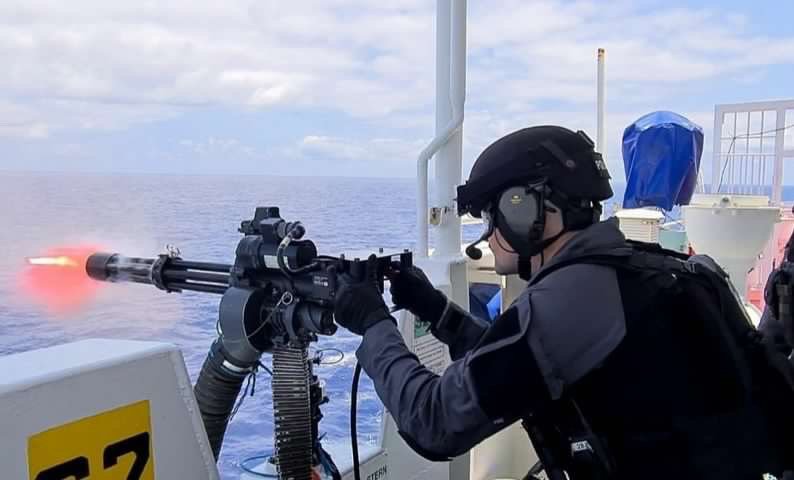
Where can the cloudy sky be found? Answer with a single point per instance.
(345, 87)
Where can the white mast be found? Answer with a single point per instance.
(448, 143)
(601, 98)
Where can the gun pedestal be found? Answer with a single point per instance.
(250, 324)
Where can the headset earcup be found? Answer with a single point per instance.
(520, 217)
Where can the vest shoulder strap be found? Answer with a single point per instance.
(633, 255)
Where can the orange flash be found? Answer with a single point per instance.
(58, 280)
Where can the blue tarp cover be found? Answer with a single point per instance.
(661, 157)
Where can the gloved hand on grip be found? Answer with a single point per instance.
(358, 304)
(412, 290)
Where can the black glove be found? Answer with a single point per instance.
(359, 305)
(411, 289)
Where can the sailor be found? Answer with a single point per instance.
(609, 383)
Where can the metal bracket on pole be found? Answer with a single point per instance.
(438, 214)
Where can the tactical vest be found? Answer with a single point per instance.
(693, 391)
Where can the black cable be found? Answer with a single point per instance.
(725, 166)
(250, 385)
(320, 355)
(282, 247)
(353, 434)
(244, 465)
(743, 137)
(286, 298)
(282, 264)
(774, 130)
(264, 367)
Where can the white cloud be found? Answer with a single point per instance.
(334, 148)
(219, 147)
(97, 65)
(24, 130)
(546, 49)
(355, 157)
(20, 121)
(257, 54)
(375, 150)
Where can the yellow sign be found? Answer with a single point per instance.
(113, 445)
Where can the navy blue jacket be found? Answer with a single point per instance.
(550, 337)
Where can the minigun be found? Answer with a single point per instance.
(276, 298)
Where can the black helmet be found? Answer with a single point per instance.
(565, 160)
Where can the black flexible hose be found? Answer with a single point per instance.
(216, 391)
(353, 433)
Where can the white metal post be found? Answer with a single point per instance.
(716, 162)
(451, 93)
(780, 139)
(601, 98)
(445, 69)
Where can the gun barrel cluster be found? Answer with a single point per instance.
(166, 273)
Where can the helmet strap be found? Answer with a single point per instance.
(525, 260)
(525, 267)
(507, 248)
